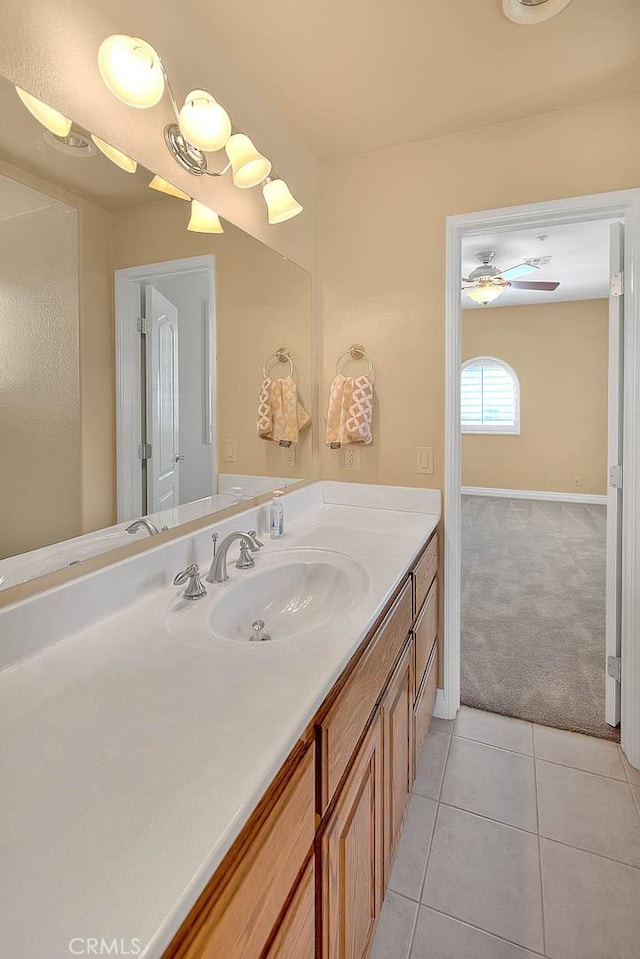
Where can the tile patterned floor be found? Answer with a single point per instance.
(520, 842)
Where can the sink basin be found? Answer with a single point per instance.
(298, 591)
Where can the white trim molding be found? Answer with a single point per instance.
(625, 205)
(552, 495)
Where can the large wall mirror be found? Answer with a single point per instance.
(132, 356)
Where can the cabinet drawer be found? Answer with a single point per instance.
(296, 937)
(237, 916)
(423, 710)
(344, 724)
(426, 631)
(424, 573)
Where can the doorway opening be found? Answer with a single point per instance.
(165, 335)
(524, 534)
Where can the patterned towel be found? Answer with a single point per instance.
(281, 415)
(350, 411)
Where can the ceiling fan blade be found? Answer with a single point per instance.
(521, 269)
(532, 285)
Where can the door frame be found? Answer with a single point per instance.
(624, 203)
(128, 310)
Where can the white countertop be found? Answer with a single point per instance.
(132, 758)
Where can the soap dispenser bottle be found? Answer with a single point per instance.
(276, 516)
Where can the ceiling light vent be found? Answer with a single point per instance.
(532, 11)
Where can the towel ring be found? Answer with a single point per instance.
(356, 352)
(282, 355)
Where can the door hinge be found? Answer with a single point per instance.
(615, 477)
(144, 451)
(614, 667)
(141, 325)
(617, 284)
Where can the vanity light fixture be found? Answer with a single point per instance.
(116, 156)
(163, 186)
(54, 121)
(133, 71)
(203, 219)
(485, 293)
(281, 204)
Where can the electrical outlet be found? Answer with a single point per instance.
(577, 481)
(231, 451)
(288, 454)
(424, 459)
(352, 459)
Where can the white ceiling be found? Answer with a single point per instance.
(358, 75)
(580, 262)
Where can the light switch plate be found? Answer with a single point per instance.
(424, 459)
(231, 451)
(288, 454)
(352, 459)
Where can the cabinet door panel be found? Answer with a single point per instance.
(426, 630)
(296, 937)
(397, 721)
(424, 704)
(424, 573)
(351, 856)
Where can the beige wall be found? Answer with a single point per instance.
(382, 254)
(50, 47)
(262, 302)
(559, 353)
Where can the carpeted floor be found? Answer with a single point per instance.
(533, 611)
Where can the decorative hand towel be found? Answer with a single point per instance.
(281, 416)
(350, 411)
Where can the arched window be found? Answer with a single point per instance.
(490, 397)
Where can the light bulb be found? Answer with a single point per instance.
(163, 186)
(54, 121)
(249, 167)
(281, 204)
(203, 219)
(485, 294)
(203, 122)
(132, 70)
(116, 156)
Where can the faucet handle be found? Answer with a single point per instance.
(191, 576)
(252, 534)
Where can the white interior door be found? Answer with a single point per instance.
(614, 491)
(163, 422)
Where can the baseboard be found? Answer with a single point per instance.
(441, 709)
(558, 497)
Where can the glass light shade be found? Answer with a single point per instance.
(54, 122)
(203, 219)
(131, 69)
(485, 294)
(249, 167)
(203, 122)
(163, 186)
(281, 204)
(116, 156)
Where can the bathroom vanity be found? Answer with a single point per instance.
(205, 795)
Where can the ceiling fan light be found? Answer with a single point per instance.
(54, 121)
(485, 294)
(249, 166)
(116, 156)
(281, 204)
(163, 186)
(203, 219)
(203, 122)
(131, 69)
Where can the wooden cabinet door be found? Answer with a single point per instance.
(296, 937)
(351, 856)
(397, 722)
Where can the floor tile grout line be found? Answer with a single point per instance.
(579, 769)
(481, 742)
(435, 820)
(535, 782)
(528, 832)
(465, 922)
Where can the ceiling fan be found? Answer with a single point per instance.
(487, 282)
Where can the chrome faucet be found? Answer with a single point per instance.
(249, 544)
(150, 527)
(191, 576)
